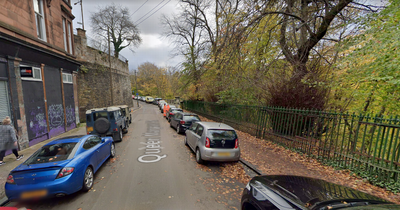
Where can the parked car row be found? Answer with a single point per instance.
(67, 165)
(213, 141)
(210, 141)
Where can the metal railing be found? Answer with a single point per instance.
(358, 142)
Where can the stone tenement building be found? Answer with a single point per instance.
(38, 68)
(95, 78)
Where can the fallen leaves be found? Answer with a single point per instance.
(272, 159)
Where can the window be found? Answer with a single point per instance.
(52, 153)
(200, 130)
(64, 22)
(69, 38)
(67, 35)
(39, 17)
(193, 127)
(91, 142)
(30, 73)
(67, 78)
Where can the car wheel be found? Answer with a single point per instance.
(178, 130)
(170, 125)
(88, 179)
(186, 141)
(112, 150)
(198, 157)
(127, 124)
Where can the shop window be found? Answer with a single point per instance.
(30, 73)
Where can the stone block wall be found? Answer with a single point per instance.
(95, 78)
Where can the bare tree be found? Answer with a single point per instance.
(189, 38)
(114, 21)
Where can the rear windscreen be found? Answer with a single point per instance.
(52, 153)
(190, 118)
(98, 115)
(221, 134)
(176, 110)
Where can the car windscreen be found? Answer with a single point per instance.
(191, 118)
(52, 153)
(221, 134)
(176, 110)
(98, 115)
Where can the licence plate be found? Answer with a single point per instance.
(34, 194)
(89, 129)
(224, 154)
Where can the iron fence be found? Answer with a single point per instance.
(358, 142)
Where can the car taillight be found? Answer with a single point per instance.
(236, 143)
(10, 179)
(65, 172)
(207, 142)
(171, 113)
(182, 122)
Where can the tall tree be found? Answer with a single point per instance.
(113, 23)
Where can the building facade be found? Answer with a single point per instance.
(38, 68)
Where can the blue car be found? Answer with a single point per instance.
(59, 168)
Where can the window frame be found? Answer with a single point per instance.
(67, 75)
(41, 24)
(69, 36)
(33, 74)
(197, 130)
(64, 25)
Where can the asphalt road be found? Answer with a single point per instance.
(152, 170)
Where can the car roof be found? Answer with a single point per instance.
(121, 106)
(108, 109)
(311, 191)
(188, 113)
(68, 139)
(215, 125)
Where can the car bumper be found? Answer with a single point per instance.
(66, 185)
(211, 154)
(183, 128)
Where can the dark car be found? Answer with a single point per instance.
(172, 112)
(168, 110)
(182, 121)
(297, 192)
(107, 121)
(156, 100)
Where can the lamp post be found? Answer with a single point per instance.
(137, 91)
(80, 2)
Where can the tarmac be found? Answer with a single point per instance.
(12, 163)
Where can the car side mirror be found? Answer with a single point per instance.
(103, 140)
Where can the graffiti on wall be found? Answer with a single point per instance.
(37, 124)
(56, 116)
(70, 114)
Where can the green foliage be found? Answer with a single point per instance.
(369, 74)
(84, 69)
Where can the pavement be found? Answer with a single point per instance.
(11, 161)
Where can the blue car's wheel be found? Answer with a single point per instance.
(112, 150)
(88, 179)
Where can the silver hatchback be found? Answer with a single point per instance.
(213, 142)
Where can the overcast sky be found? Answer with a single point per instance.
(154, 48)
